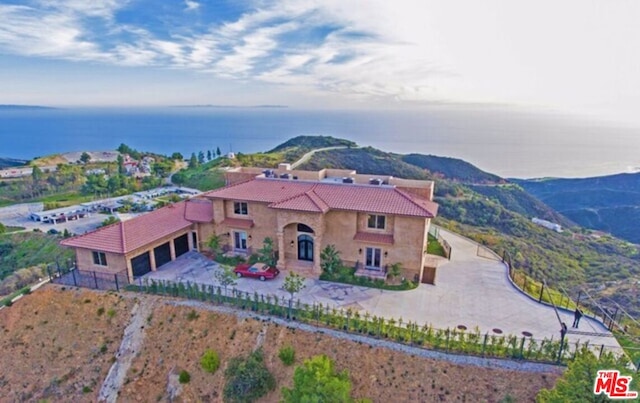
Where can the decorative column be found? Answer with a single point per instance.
(172, 249)
(317, 249)
(152, 260)
(281, 259)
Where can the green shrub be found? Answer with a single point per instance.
(184, 377)
(100, 311)
(86, 389)
(248, 378)
(210, 361)
(111, 313)
(192, 315)
(288, 355)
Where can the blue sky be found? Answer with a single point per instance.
(575, 56)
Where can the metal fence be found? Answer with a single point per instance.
(458, 340)
(73, 276)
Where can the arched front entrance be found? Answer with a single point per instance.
(305, 248)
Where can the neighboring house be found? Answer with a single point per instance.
(144, 243)
(547, 224)
(374, 221)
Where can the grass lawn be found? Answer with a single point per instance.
(434, 247)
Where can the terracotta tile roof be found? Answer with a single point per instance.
(126, 236)
(237, 222)
(199, 210)
(308, 201)
(320, 197)
(374, 238)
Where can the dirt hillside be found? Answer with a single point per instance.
(60, 347)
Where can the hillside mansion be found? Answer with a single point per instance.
(372, 220)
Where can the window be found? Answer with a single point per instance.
(373, 258)
(240, 240)
(376, 221)
(100, 258)
(240, 208)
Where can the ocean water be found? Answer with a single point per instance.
(505, 141)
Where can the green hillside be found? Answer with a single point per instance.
(451, 168)
(607, 203)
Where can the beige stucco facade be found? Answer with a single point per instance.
(334, 227)
(118, 263)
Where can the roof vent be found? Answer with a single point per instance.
(347, 180)
(375, 181)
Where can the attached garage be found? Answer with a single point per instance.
(141, 264)
(162, 254)
(181, 244)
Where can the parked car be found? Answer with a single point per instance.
(258, 270)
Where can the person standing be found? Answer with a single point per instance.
(576, 317)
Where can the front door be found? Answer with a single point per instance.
(240, 240)
(305, 248)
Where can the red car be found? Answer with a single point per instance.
(258, 270)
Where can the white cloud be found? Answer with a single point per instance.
(576, 54)
(191, 5)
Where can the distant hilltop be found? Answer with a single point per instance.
(24, 107)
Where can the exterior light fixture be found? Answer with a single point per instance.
(360, 251)
(386, 253)
(292, 244)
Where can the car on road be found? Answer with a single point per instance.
(257, 270)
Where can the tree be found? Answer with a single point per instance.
(225, 277)
(177, 156)
(248, 378)
(109, 220)
(162, 168)
(85, 157)
(293, 283)
(37, 176)
(214, 245)
(330, 259)
(121, 169)
(193, 161)
(317, 381)
(577, 382)
(266, 254)
(3, 229)
(201, 157)
(218, 153)
(208, 155)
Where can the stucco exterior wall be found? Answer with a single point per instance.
(409, 245)
(116, 263)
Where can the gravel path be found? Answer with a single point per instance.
(130, 346)
(436, 355)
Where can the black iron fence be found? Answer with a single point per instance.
(457, 340)
(73, 276)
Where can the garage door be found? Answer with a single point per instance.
(181, 244)
(162, 254)
(141, 264)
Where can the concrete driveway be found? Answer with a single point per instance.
(470, 290)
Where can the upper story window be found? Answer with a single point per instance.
(100, 258)
(240, 208)
(376, 221)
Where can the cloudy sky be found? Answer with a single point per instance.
(571, 55)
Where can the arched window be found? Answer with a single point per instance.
(305, 228)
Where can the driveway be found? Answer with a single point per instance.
(470, 290)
